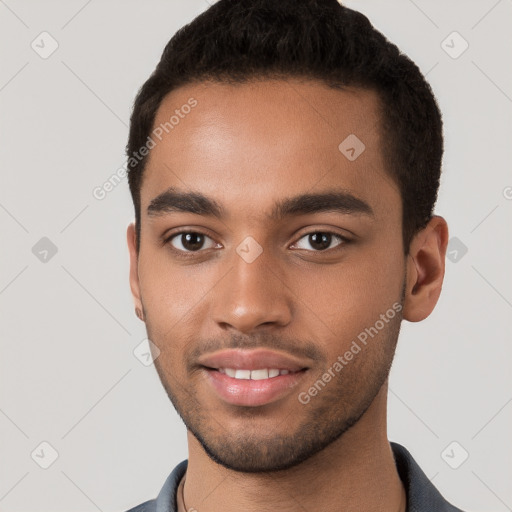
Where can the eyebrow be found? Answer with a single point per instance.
(339, 201)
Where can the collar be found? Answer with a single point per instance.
(422, 496)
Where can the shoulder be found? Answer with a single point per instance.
(166, 499)
(421, 493)
(147, 506)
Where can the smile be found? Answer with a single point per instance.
(260, 374)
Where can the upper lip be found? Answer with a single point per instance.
(251, 360)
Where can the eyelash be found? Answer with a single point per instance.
(187, 254)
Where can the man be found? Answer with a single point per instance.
(284, 161)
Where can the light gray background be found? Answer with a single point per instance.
(68, 373)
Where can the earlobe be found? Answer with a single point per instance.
(425, 270)
(131, 238)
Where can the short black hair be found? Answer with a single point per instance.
(235, 41)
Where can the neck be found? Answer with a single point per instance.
(356, 472)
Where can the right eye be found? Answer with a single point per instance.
(189, 241)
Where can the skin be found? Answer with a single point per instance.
(248, 146)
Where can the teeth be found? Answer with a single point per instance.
(259, 374)
(243, 374)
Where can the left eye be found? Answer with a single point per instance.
(320, 240)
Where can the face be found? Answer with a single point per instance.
(268, 254)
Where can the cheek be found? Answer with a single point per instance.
(352, 295)
(169, 291)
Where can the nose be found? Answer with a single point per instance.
(252, 296)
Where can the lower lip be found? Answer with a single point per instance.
(252, 393)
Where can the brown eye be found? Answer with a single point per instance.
(189, 241)
(320, 241)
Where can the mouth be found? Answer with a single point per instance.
(252, 378)
(259, 374)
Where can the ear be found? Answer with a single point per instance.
(425, 270)
(131, 238)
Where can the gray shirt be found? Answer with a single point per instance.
(422, 496)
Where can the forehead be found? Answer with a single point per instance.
(246, 143)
